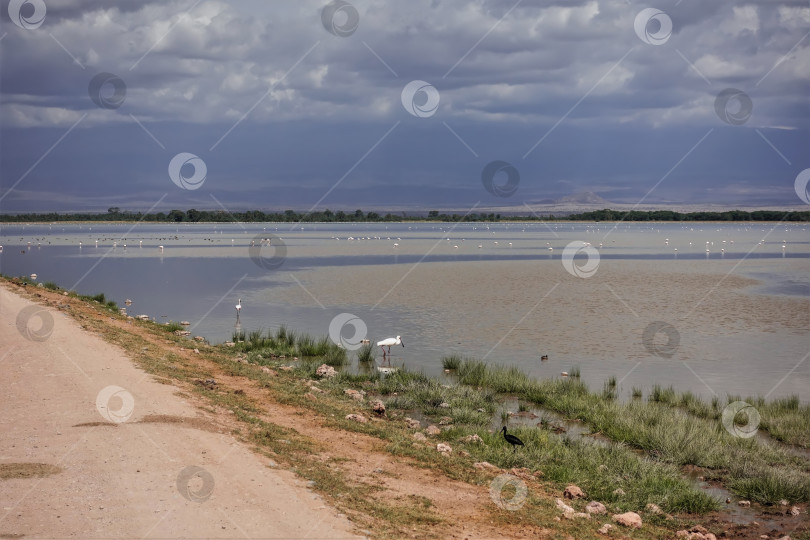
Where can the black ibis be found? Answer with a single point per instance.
(511, 439)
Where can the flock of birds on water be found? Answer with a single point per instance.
(267, 241)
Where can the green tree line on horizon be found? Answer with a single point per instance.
(327, 216)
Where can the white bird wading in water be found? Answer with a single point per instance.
(387, 343)
(238, 308)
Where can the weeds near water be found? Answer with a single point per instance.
(285, 343)
(365, 354)
(451, 362)
(786, 419)
(575, 372)
(664, 431)
(173, 326)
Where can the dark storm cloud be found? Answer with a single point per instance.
(280, 110)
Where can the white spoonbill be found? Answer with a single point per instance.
(387, 343)
(238, 307)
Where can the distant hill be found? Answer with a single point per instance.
(586, 197)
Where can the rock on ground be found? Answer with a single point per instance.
(695, 533)
(573, 492)
(653, 508)
(605, 529)
(354, 394)
(628, 519)
(564, 507)
(325, 371)
(357, 418)
(444, 448)
(432, 430)
(378, 406)
(595, 507)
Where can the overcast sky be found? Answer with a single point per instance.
(297, 104)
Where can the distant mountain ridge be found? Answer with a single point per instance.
(585, 197)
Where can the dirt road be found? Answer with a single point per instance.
(125, 467)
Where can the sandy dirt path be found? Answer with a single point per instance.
(127, 477)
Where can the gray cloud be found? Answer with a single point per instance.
(307, 104)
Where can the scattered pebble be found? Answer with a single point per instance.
(605, 529)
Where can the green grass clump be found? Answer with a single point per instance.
(335, 357)
(575, 372)
(173, 326)
(365, 354)
(51, 286)
(286, 343)
(451, 362)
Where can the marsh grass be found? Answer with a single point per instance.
(451, 362)
(597, 469)
(366, 354)
(785, 419)
(284, 342)
(662, 429)
(173, 326)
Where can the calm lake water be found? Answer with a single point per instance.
(731, 320)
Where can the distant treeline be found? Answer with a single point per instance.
(668, 215)
(327, 216)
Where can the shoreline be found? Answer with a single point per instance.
(276, 365)
(504, 220)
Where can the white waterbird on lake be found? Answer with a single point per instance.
(388, 342)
